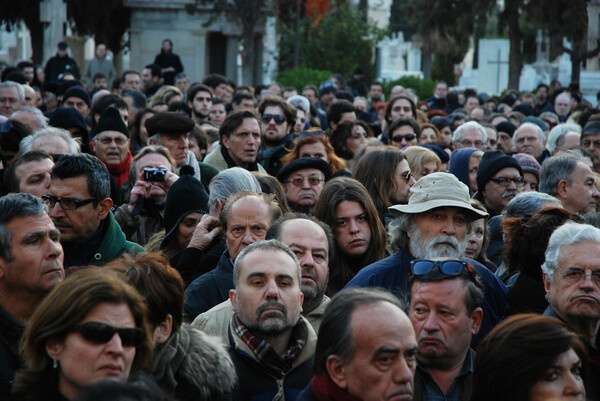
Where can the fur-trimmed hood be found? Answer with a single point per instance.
(194, 365)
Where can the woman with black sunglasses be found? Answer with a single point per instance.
(187, 363)
(90, 328)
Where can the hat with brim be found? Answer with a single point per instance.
(438, 190)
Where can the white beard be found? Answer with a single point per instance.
(423, 248)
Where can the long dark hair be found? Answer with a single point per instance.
(343, 267)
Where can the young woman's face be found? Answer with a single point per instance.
(351, 228)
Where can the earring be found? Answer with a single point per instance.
(54, 364)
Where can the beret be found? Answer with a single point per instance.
(169, 123)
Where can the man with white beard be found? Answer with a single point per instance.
(435, 223)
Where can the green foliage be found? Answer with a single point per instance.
(343, 40)
(399, 21)
(301, 76)
(442, 69)
(423, 87)
(105, 20)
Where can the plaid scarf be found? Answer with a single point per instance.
(279, 365)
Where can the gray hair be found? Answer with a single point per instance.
(529, 203)
(265, 245)
(557, 168)
(13, 84)
(12, 207)
(568, 234)
(26, 144)
(557, 134)
(468, 126)
(42, 122)
(529, 125)
(228, 182)
(398, 230)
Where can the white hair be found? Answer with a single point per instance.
(469, 126)
(42, 121)
(536, 127)
(26, 143)
(568, 234)
(558, 132)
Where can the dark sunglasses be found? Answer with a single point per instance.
(420, 267)
(407, 137)
(279, 119)
(407, 176)
(306, 134)
(101, 333)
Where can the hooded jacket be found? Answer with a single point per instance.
(193, 365)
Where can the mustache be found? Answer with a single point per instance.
(310, 272)
(445, 239)
(587, 294)
(61, 221)
(509, 193)
(271, 304)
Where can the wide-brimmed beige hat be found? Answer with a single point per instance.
(438, 190)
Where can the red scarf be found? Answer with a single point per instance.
(120, 172)
(326, 390)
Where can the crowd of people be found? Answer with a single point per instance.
(169, 239)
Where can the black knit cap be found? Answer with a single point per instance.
(169, 123)
(506, 126)
(491, 163)
(79, 92)
(303, 163)
(186, 195)
(111, 120)
(67, 117)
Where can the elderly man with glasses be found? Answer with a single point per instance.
(572, 283)
(499, 180)
(304, 180)
(434, 224)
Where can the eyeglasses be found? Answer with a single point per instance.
(407, 176)
(279, 119)
(505, 181)
(306, 134)
(420, 267)
(575, 275)
(106, 140)
(66, 203)
(298, 181)
(407, 137)
(101, 333)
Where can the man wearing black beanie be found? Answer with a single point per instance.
(110, 143)
(499, 179)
